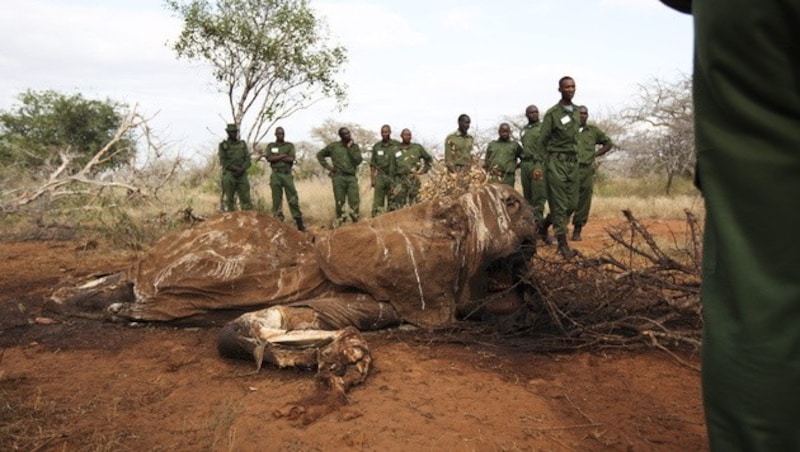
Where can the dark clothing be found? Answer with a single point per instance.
(234, 158)
(589, 136)
(747, 108)
(535, 191)
(458, 151)
(380, 162)
(502, 158)
(281, 181)
(559, 139)
(407, 162)
(344, 166)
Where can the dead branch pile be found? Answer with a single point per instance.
(440, 182)
(639, 292)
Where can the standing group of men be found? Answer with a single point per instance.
(395, 168)
(556, 158)
(556, 161)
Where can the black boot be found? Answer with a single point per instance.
(300, 226)
(576, 234)
(542, 231)
(563, 247)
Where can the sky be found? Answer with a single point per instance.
(411, 63)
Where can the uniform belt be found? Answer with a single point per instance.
(527, 160)
(565, 156)
(584, 165)
(282, 170)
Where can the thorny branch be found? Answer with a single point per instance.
(637, 293)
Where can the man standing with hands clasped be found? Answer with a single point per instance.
(235, 160)
(344, 156)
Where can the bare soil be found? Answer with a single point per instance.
(77, 384)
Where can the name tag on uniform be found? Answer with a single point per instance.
(380, 153)
(398, 154)
(274, 150)
(565, 120)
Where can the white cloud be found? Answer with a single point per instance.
(362, 25)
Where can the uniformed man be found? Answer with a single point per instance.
(234, 158)
(408, 162)
(281, 157)
(380, 179)
(589, 137)
(559, 139)
(344, 156)
(747, 105)
(458, 147)
(534, 184)
(502, 157)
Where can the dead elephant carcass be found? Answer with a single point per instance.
(427, 265)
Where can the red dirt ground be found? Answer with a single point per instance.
(74, 384)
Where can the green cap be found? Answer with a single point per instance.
(232, 128)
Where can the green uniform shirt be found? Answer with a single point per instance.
(406, 159)
(458, 149)
(381, 153)
(275, 149)
(590, 136)
(530, 141)
(234, 154)
(559, 132)
(502, 156)
(343, 159)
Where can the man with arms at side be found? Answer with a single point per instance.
(281, 156)
(531, 169)
(747, 111)
(559, 139)
(344, 156)
(589, 137)
(380, 180)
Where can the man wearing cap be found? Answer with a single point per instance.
(235, 160)
(281, 156)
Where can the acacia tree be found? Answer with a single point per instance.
(46, 124)
(270, 57)
(661, 128)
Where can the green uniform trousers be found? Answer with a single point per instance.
(233, 186)
(280, 183)
(381, 194)
(583, 203)
(562, 186)
(747, 123)
(534, 191)
(405, 191)
(345, 188)
(509, 179)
